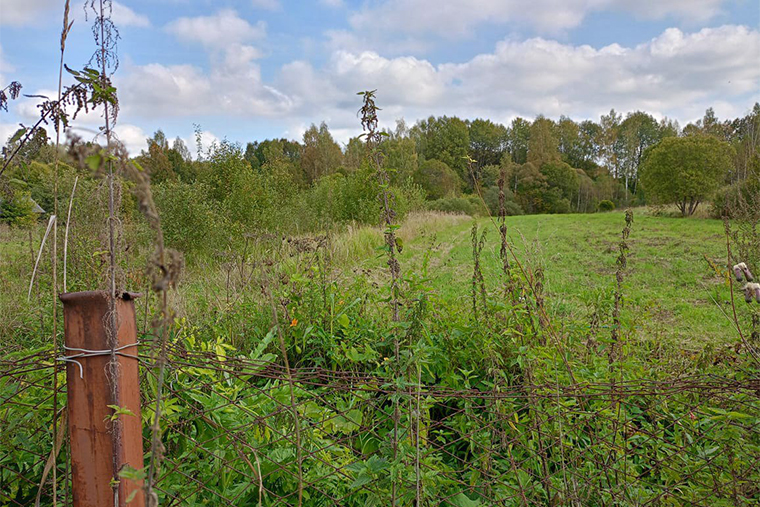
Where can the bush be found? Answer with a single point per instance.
(437, 179)
(467, 205)
(343, 199)
(513, 209)
(553, 202)
(491, 197)
(737, 200)
(605, 205)
(191, 220)
(17, 210)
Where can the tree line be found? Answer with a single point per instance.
(441, 163)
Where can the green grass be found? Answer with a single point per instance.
(671, 292)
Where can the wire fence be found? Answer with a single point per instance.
(238, 431)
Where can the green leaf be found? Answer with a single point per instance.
(19, 133)
(132, 473)
(70, 70)
(361, 480)
(462, 500)
(94, 161)
(352, 354)
(117, 411)
(132, 495)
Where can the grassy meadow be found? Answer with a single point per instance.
(673, 289)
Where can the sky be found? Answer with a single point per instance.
(249, 70)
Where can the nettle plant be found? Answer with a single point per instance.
(90, 91)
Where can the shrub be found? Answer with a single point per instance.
(342, 199)
(513, 209)
(437, 179)
(736, 200)
(468, 205)
(553, 202)
(605, 205)
(191, 220)
(491, 197)
(17, 210)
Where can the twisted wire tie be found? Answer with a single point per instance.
(94, 353)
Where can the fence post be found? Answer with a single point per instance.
(85, 317)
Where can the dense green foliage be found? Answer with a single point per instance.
(686, 170)
(17, 210)
(606, 205)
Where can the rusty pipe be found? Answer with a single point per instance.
(89, 394)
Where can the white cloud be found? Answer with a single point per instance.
(232, 88)
(25, 12)
(335, 4)
(217, 31)
(124, 16)
(268, 5)
(675, 73)
(6, 131)
(31, 12)
(383, 21)
(688, 10)
(5, 67)
(132, 137)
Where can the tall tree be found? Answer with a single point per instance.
(589, 132)
(181, 160)
(400, 158)
(321, 154)
(251, 154)
(637, 132)
(182, 150)
(156, 160)
(609, 146)
(518, 136)
(445, 139)
(744, 134)
(488, 142)
(543, 146)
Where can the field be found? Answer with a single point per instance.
(671, 287)
(673, 291)
(288, 382)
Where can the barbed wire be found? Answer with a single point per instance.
(228, 434)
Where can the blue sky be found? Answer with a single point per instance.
(252, 69)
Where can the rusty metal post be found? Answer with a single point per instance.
(89, 394)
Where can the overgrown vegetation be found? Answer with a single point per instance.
(461, 348)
